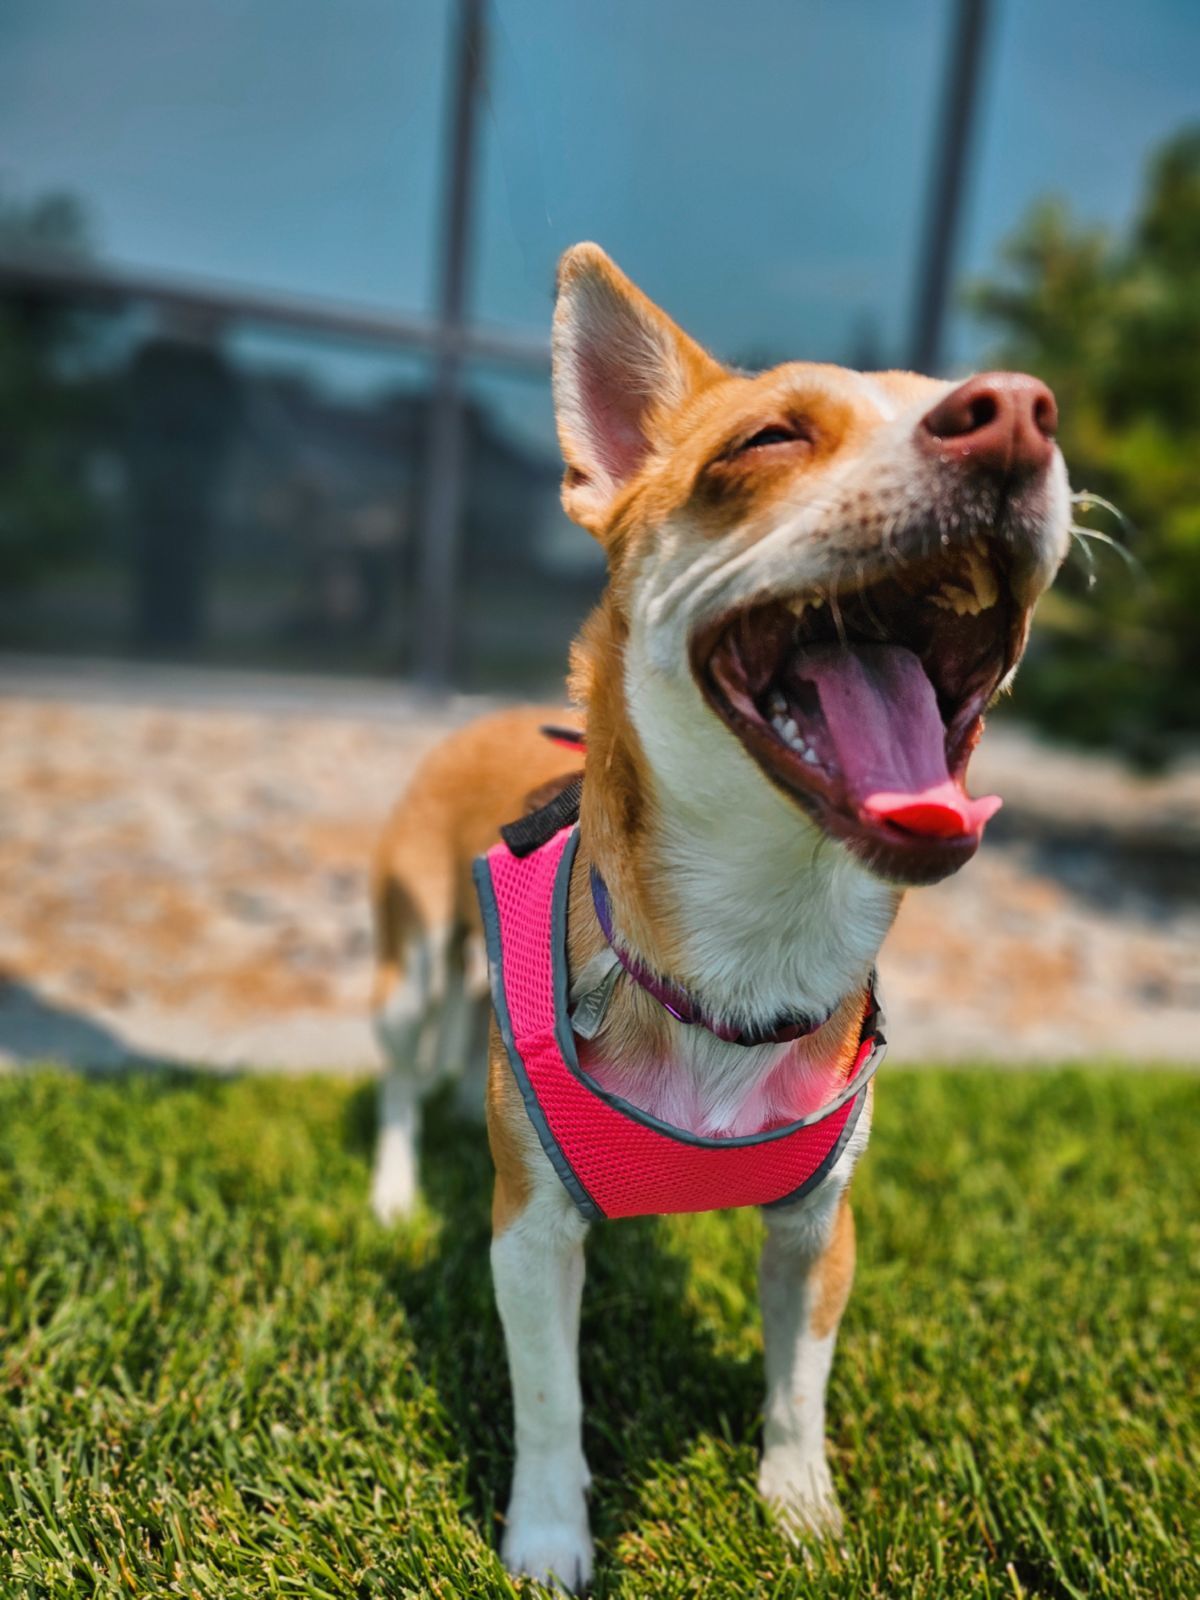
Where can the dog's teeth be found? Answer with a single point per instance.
(962, 602)
(817, 602)
(798, 606)
(976, 590)
(983, 578)
(776, 704)
(790, 734)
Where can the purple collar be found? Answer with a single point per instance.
(675, 999)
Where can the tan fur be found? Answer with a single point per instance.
(700, 520)
(509, 1137)
(482, 775)
(834, 1274)
(469, 785)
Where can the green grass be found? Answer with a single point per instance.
(218, 1377)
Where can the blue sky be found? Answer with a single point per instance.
(759, 168)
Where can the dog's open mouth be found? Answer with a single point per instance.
(864, 704)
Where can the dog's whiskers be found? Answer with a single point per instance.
(1082, 535)
(835, 610)
(891, 550)
(1078, 539)
(872, 614)
(1085, 499)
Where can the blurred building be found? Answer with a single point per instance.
(216, 446)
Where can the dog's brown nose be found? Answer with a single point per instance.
(998, 421)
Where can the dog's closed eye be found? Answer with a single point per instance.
(777, 433)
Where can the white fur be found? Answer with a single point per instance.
(794, 1475)
(537, 1265)
(394, 1184)
(878, 396)
(771, 914)
(883, 505)
(401, 1025)
(433, 1023)
(715, 1089)
(775, 916)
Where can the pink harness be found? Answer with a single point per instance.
(614, 1159)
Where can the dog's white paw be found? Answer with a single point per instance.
(557, 1553)
(394, 1190)
(547, 1535)
(800, 1493)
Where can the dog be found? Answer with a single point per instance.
(818, 581)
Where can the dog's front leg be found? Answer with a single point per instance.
(804, 1281)
(537, 1264)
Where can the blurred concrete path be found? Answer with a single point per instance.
(182, 877)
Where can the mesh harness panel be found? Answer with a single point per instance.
(615, 1159)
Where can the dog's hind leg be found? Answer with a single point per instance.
(414, 947)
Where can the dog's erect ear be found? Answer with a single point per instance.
(620, 366)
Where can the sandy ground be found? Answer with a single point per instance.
(182, 876)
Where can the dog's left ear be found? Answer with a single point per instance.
(621, 366)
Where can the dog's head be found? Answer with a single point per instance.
(835, 569)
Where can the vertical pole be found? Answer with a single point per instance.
(441, 512)
(960, 94)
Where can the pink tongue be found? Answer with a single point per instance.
(889, 740)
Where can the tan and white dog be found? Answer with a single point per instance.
(818, 581)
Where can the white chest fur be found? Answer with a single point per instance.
(775, 918)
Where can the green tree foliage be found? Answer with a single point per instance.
(43, 509)
(1114, 326)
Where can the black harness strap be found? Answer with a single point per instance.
(560, 734)
(530, 832)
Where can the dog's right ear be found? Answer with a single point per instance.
(620, 367)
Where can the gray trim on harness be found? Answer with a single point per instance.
(818, 1177)
(491, 932)
(566, 1040)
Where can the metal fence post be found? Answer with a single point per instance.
(960, 95)
(441, 513)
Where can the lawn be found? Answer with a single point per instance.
(222, 1378)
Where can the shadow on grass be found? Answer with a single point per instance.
(653, 1378)
(34, 1029)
